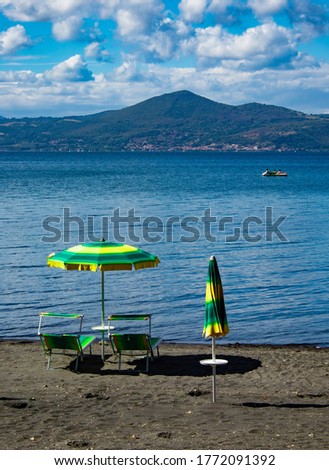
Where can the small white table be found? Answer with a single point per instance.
(214, 363)
(102, 329)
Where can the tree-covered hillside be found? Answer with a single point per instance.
(180, 121)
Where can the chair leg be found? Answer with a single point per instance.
(119, 361)
(147, 361)
(77, 361)
(49, 359)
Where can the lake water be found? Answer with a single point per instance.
(269, 235)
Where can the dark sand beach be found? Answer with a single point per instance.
(267, 398)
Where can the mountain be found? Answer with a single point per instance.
(180, 121)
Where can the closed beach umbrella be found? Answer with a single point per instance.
(215, 320)
(102, 256)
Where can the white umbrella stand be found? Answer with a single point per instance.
(213, 362)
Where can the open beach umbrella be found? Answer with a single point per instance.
(215, 320)
(102, 256)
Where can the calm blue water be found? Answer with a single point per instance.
(275, 280)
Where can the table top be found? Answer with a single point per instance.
(214, 362)
(102, 328)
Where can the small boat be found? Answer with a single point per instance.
(268, 172)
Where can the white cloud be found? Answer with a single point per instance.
(106, 8)
(21, 76)
(131, 70)
(136, 17)
(161, 46)
(219, 6)
(164, 43)
(193, 10)
(310, 19)
(45, 10)
(12, 39)
(25, 10)
(73, 69)
(66, 16)
(181, 28)
(129, 22)
(304, 89)
(128, 70)
(263, 45)
(95, 50)
(67, 29)
(263, 8)
(132, 16)
(261, 63)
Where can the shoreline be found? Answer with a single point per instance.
(203, 344)
(272, 397)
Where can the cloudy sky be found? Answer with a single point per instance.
(65, 57)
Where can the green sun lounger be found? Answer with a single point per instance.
(72, 342)
(134, 344)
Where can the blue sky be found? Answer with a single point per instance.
(71, 57)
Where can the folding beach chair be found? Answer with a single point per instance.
(133, 344)
(76, 343)
(70, 337)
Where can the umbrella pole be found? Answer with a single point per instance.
(213, 345)
(213, 383)
(103, 316)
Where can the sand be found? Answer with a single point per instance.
(268, 397)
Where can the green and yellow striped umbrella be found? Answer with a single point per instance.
(103, 256)
(215, 320)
